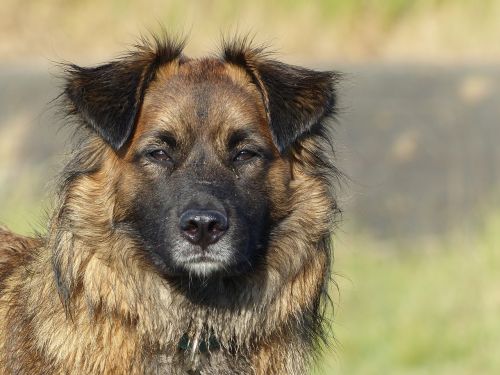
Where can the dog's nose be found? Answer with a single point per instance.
(203, 227)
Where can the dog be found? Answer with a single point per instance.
(191, 233)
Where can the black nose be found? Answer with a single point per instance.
(203, 227)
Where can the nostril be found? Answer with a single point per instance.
(213, 226)
(217, 226)
(191, 227)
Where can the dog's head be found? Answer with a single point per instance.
(202, 148)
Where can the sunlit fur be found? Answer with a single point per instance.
(84, 299)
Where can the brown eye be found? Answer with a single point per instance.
(159, 155)
(244, 155)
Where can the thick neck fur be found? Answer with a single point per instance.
(110, 312)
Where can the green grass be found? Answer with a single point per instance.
(418, 309)
(24, 200)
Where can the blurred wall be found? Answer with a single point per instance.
(418, 127)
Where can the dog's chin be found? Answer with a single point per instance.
(205, 268)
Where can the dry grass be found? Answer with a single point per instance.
(435, 30)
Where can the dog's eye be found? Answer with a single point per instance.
(245, 155)
(159, 155)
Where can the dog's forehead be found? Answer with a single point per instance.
(202, 95)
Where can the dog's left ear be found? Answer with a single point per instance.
(108, 97)
(296, 99)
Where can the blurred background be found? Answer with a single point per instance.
(418, 249)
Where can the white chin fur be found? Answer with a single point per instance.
(203, 269)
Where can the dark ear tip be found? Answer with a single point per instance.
(119, 140)
(117, 145)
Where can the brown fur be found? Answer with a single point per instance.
(84, 300)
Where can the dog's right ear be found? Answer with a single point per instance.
(108, 97)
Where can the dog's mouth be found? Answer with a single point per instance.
(185, 260)
(221, 260)
(204, 264)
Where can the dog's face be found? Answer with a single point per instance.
(202, 157)
(202, 148)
